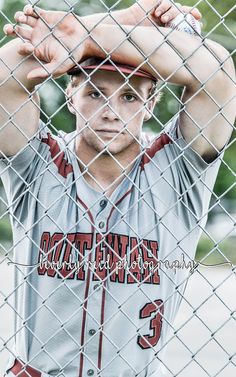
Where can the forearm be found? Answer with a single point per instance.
(123, 17)
(137, 14)
(182, 59)
(14, 68)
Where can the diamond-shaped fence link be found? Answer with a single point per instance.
(117, 202)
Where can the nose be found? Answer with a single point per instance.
(110, 111)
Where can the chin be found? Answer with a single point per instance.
(112, 149)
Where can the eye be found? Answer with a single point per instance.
(95, 94)
(129, 97)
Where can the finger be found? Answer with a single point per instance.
(32, 11)
(23, 32)
(170, 14)
(23, 19)
(164, 6)
(50, 69)
(175, 10)
(43, 72)
(194, 11)
(153, 9)
(26, 49)
(8, 29)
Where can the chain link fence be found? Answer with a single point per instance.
(109, 266)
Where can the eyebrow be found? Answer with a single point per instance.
(94, 86)
(132, 89)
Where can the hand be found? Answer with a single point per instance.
(51, 37)
(167, 11)
(161, 11)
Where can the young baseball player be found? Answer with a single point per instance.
(102, 217)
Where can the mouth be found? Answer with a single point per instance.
(109, 131)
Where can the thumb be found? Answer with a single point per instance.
(44, 71)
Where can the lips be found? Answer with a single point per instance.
(108, 130)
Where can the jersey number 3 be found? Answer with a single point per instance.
(150, 340)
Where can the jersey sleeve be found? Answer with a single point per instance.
(187, 154)
(180, 175)
(20, 172)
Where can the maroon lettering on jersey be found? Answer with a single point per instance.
(134, 267)
(155, 311)
(66, 256)
(117, 253)
(54, 253)
(83, 242)
(100, 265)
(150, 262)
(43, 253)
(68, 268)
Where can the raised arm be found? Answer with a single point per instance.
(19, 112)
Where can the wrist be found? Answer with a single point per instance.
(94, 45)
(81, 44)
(137, 13)
(132, 14)
(142, 14)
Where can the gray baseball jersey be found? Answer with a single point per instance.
(98, 280)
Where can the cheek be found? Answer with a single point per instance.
(85, 109)
(135, 118)
(135, 111)
(82, 111)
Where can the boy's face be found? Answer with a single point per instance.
(109, 112)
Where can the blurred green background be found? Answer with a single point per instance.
(217, 244)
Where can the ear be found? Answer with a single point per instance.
(69, 99)
(149, 107)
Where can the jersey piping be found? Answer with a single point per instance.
(58, 156)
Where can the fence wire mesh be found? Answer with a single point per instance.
(108, 210)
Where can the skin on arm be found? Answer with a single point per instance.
(210, 110)
(19, 103)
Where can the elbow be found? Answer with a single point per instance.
(210, 66)
(228, 67)
(222, 84)
(226, 64)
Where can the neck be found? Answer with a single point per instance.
(105, 172)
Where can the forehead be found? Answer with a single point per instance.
(109, 80)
